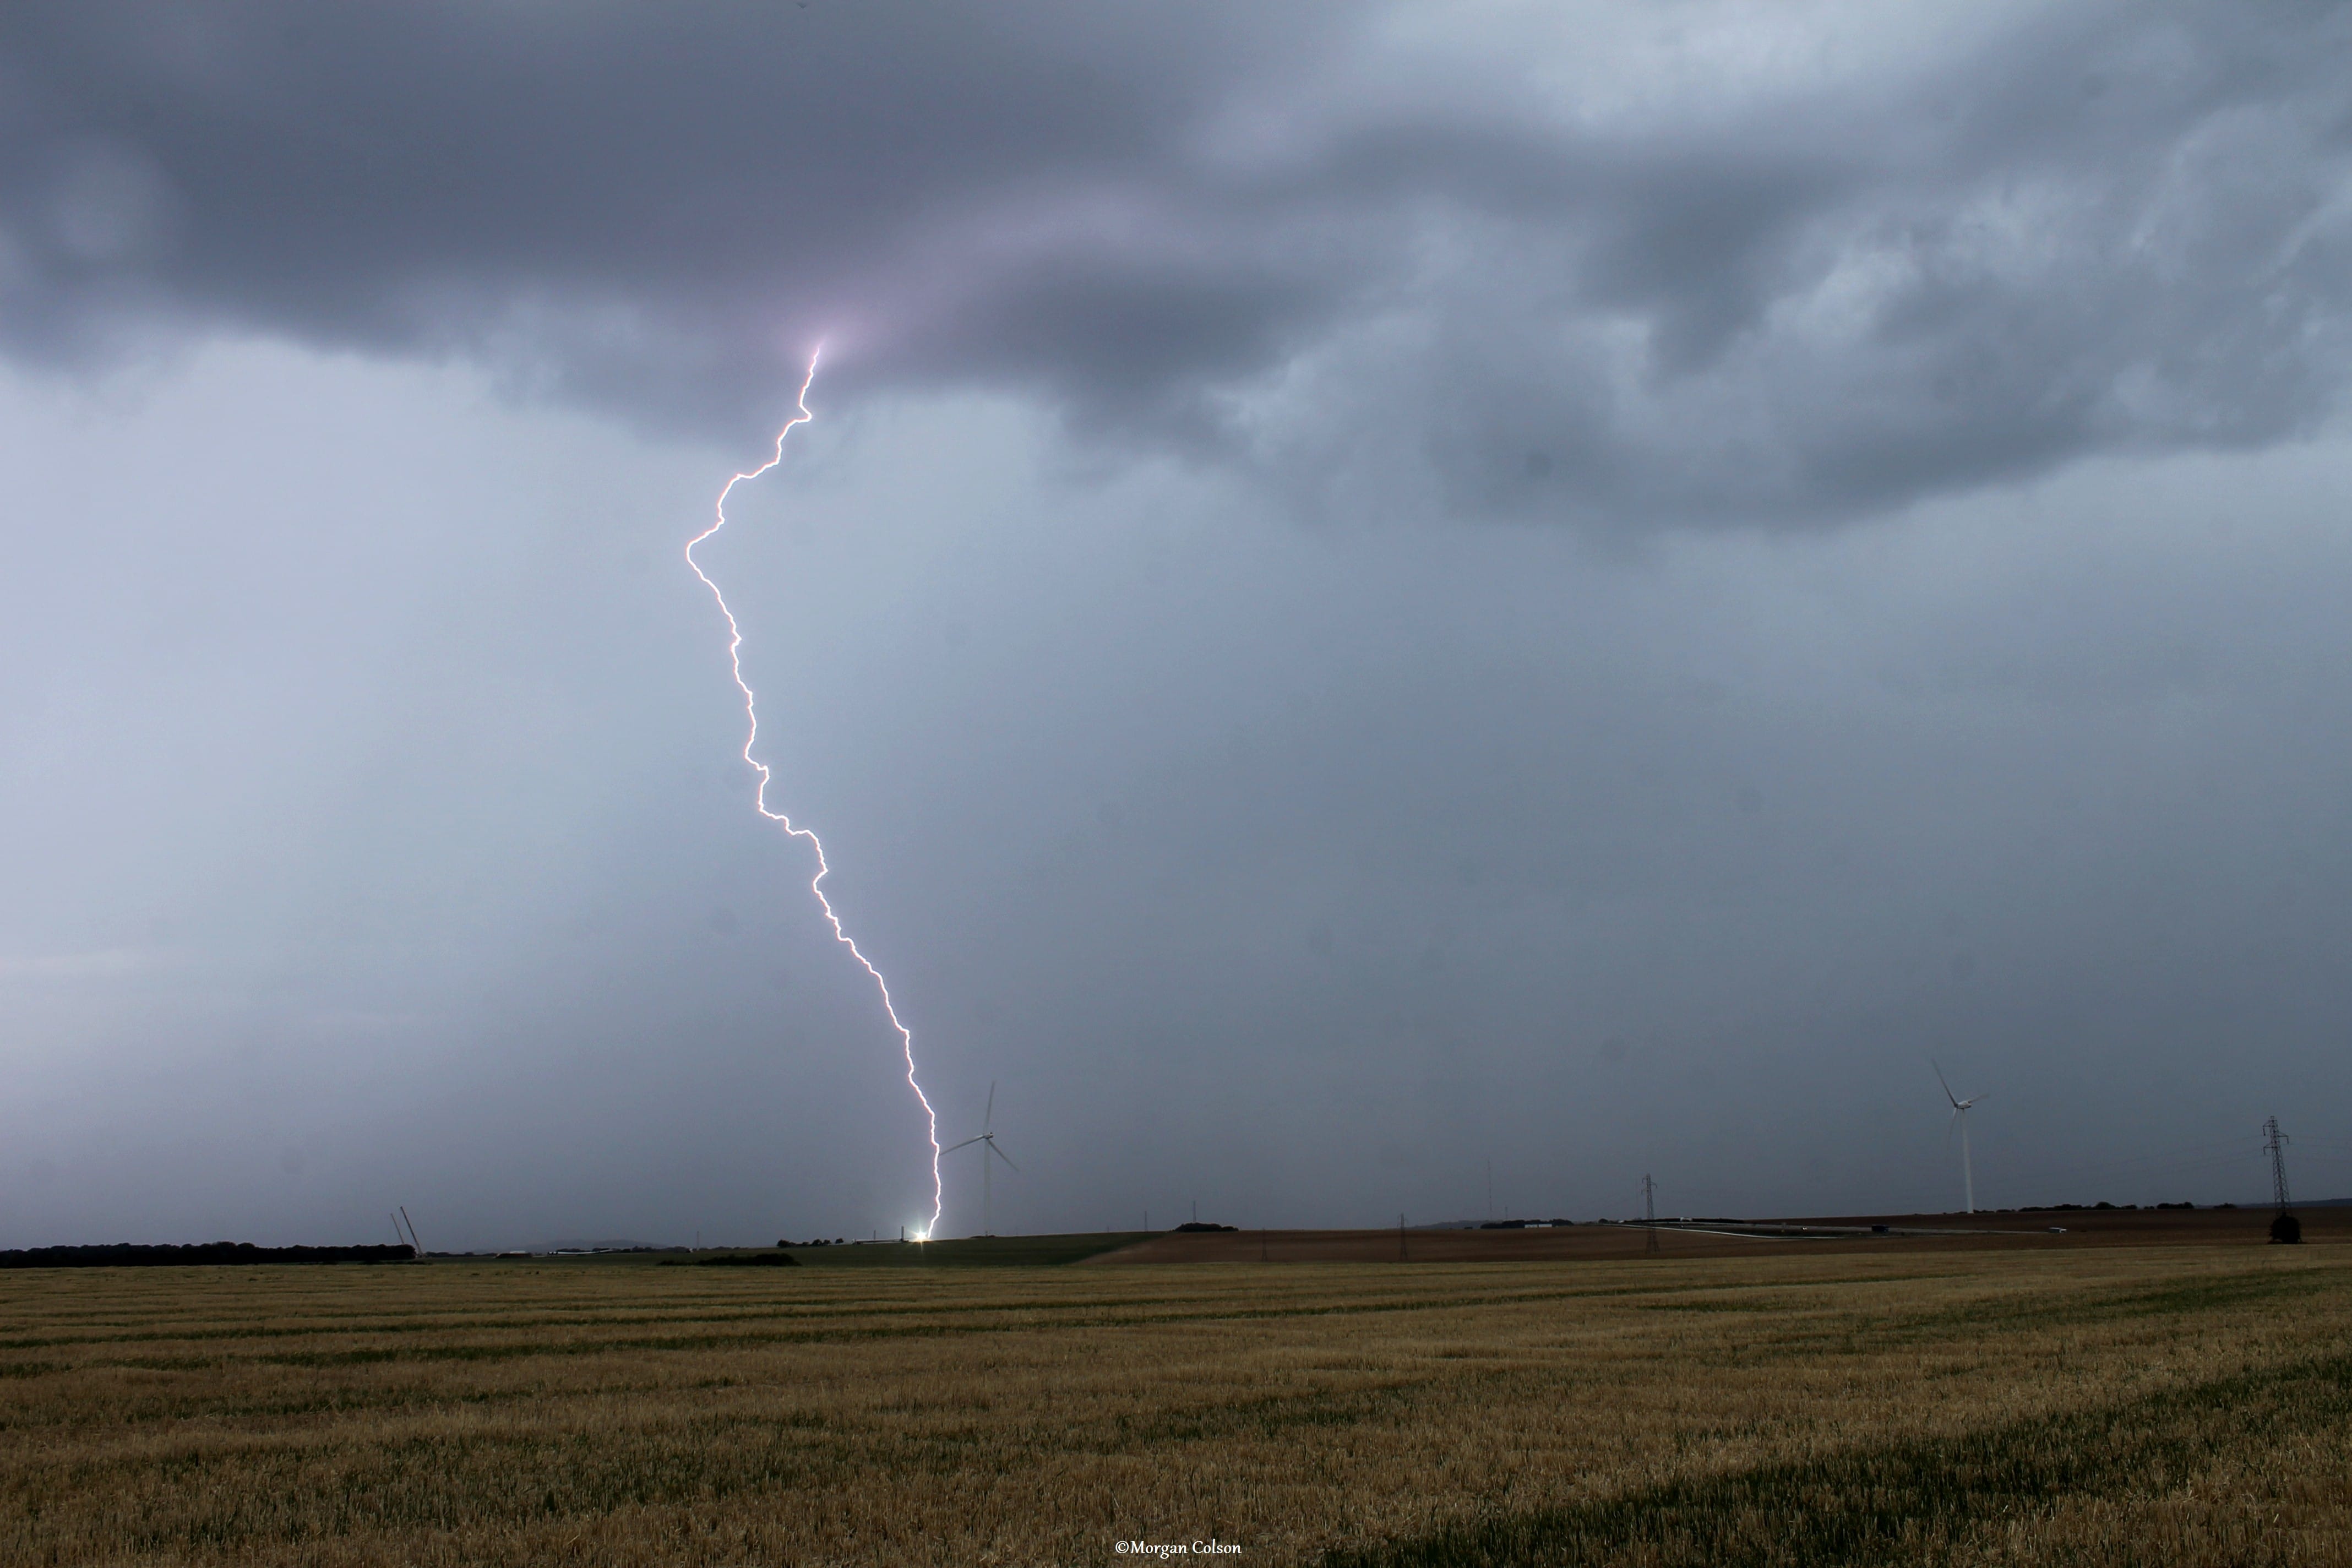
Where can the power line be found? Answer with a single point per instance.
(2183, 1155)
(2310, 1143)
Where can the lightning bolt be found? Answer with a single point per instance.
(759, 798)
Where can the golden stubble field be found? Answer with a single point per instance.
(2155, 1404)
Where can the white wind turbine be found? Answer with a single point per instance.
(986, 1139)
(1960, 1109)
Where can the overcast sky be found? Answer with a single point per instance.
(1373, 593)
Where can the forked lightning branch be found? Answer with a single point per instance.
(759, 798)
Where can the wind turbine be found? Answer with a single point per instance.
(986, 1139)
(1960, 1109)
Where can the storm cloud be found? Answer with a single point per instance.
(1374, 594)
(1679, 265)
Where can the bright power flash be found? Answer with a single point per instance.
(760, 799)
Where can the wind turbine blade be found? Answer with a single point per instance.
(965, 1144)
(1001, 1153)
(989, 1121)
(1948, 1088)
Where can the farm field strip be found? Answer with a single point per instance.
(1021, 1314)
(517, 1414)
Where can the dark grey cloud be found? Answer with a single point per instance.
(654, 207)
(1463, 265)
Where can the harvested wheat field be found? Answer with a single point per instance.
(2176, 1404)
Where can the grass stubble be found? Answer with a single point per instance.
(2155, 1405)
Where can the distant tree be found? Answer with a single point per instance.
(2286, 1229)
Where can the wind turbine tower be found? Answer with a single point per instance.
(986, 1139)
(1960, 1109)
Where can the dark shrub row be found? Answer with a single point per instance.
(129, 1255)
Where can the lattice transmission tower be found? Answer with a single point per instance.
(2285, 1226)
